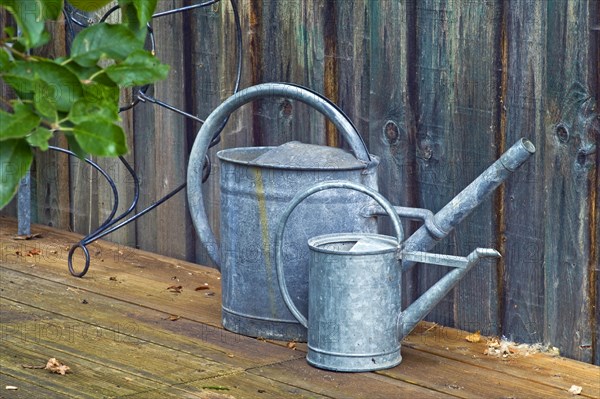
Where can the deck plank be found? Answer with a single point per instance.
(555, 371)
(25, 389)
(299, 373)
(121, 341)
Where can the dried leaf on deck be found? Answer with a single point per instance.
(175, 288)
(202, 287)
(57, 367)
(475, 337)
(174, 317)
(291, 345)
(34, 251)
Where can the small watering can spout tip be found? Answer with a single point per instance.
(487, 253)
(528, 145)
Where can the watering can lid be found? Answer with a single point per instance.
(295, 154)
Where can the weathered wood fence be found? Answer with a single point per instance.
(439, 89)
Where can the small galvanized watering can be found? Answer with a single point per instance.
(354, 318)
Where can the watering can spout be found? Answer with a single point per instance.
(408, 319)
(443, 222)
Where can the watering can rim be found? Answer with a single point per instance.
(314, 243)
(225, 155)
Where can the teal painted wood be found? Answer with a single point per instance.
(571, 134)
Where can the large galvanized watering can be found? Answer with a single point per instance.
(256, 184)
(354, 318)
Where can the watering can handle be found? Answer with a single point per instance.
(214, 122)
(298, 198)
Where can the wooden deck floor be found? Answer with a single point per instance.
(123, 333)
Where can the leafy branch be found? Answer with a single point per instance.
(78, 95)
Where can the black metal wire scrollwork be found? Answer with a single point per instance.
(113, 222)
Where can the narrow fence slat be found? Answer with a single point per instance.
(391, 120)
(475, 132)
(291, 50)
(436, 145)
(523, 238)
(174, 236)
(570, 132)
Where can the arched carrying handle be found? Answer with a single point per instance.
(298, 198)
(216, 118)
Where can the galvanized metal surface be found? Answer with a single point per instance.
(354, 293)
(215, 120)
(252, 199)
(354, 318)
(256, 184)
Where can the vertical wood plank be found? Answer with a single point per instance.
(6, 92)
(352, 58)
(144, 146)
(292, 42)
(208, 78)
(51, 176)
(571, 127)
(174, 235)
(594, 62)
(391, 133)
(523, 111)
(436, 147)
(216, 56)
(475, 124)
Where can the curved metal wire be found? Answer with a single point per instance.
(112, 223)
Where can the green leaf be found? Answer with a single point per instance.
(4, 60)
(135, 14)
(30, 16)
(51, 9)
(15, 160)
(74, 146)
(101, 137)
(9, 30)
(102, 41)
(44, 99)
(39, 138)
(87, 5)
(144, 9)
(140, 68)
(23, 77)
(85, 110)
(17, 124)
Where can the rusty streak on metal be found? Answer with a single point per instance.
(330, 79)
